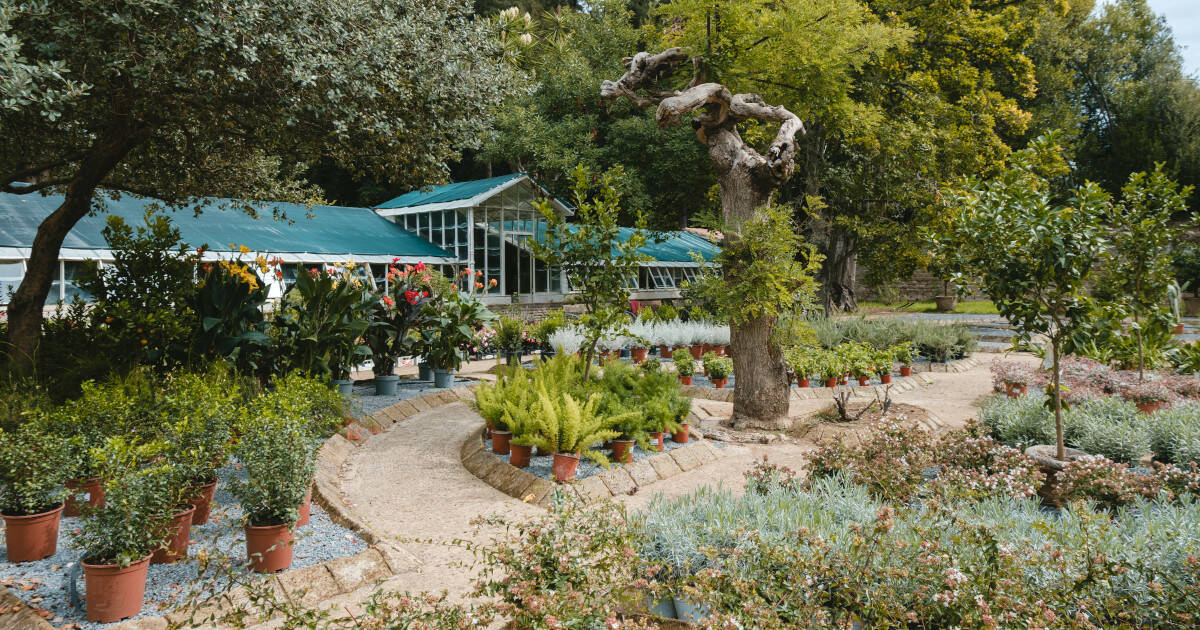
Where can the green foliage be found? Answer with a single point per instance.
(567, 426)
(510, 334)
(319, 326)
(685, 365)
(33, 467)
(199, 410)
(141, 492)
(277, 455)
(720, 368)
(451, 326)
(1109, 427)
(398, 316)
(228, 305)
(1174, 434)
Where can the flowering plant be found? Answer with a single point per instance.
(1147, 392)
(1010, 373)
(399, 313)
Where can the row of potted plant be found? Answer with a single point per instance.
(859, 360)
(140, 466)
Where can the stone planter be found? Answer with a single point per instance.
(946, 303)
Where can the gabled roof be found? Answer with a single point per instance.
(450, 193)
(331, 230)
(670, 248)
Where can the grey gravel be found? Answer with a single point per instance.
(543, 465)
(168, 584)
(368, 402)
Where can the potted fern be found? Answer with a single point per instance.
(684, 365)
(33, 467)
(571, 429)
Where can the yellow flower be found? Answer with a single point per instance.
(143, 342)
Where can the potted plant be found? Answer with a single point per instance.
(859, 359)
(571, 429)
(118, 539)
(80, 434)
(1012, 377)
(904, 354)
(34, 463)
(452, 324)
(631, 428)
(325, 316)
(684, 365)
(638, 350)
(882, 360)
(801, 361)
(1149, 396)
(510, 339)
(277, 456)
(830, 365)
(719, 371)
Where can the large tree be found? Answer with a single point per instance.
(230, 98)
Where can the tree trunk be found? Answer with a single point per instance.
(25, 310)
(1059, 444)
(838, 273)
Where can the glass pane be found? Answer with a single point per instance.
(71, 270)
(11, 272)
(435, 228)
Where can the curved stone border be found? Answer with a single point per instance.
(618, 480)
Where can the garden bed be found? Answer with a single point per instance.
(43, 584)
(542, 465)
(368, 402)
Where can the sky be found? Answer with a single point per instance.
(1184, 18)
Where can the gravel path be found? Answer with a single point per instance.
(166, 584)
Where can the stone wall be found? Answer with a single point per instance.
(921, 285)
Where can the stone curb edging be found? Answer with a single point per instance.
(311, 585)
(616, 481)
(15, 614)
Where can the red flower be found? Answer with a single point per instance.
(278, 275)
(395, 260)
(411, 296)
(478, 285)
(420, 266)
(389, 302)
(424, 294)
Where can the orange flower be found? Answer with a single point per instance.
(478, 285)
(493, 282)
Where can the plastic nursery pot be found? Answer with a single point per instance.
(622, 451)
(89, 491)
(345, 386)
(802, 382)
(304, 511)
(906, 370)
(33, 537)
(685, 380)
(386, 385)
(539, 452)
(885, 378)
(500, 444)
(1144, 407)
(443, 378)
(864, 380)
(664, 351)
(518, 454)
(719, 383)
(638, 355)
(424, 372)
(697, 351)
(202, 497)
(1178, 328)
(269, 547)
(681, 436)
(177, 544)
(564, 467)
(656, 438)
(115, 592)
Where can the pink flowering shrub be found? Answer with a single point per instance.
(1112, 485)
(1010, 373)
(1147, 392)
(975, 467)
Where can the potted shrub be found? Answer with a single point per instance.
(883, 364)
(570, 429)
(1149, 396)
(452, 324)
(118, 539)
(80, 434)
(510, 339)
(326, 315)
(684, 365)
(631, 428)
(707, 360)
(395, 319)
(34, 463)
(719, 371)
(801, 361)
(904, 354)
(638, 350)
(1013, 378)
(663, 414)
(277, 456)
(830, 365)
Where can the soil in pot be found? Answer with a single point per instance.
(202, 498)
(685, 380)
(177, 544)
(720, 383)
(681, 436)
(500, 442)
(518, 454)
(33, 537)
(83, 491)
(622, 451)
(304, 511)
(386, 385)
(269, 548)
(114, 592)
(564, 467)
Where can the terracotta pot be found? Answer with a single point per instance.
(697, 351)
(725, 352)
(638, 355)
(719, 383)
(622, 451)
(802, 382)
(663, 351)
(202, 497)
(32, 537)
(685, 380)
(831, 382)
(845, 380)
(500, 442)
(304, 510)
(885, 378)
(656, 439)
(1151, 406)
(487, 430)
(270, 547)
(114, 592)
(564, 467)
(708, 347)
(177, 544)
(93, 487)
(906, 370)
(1179, 328)
(518, 454)
(863, 381)
(1013, 390)
(681, 436)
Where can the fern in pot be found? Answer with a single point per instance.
(571, 430)
(34, 463)
(277, 455)
(118, 538)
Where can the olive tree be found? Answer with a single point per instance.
(231, 98)
(1031, 251)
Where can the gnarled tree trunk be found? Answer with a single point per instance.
(748, 179)
(838, 272)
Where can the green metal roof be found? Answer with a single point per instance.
(458, 191)
(668, 247)
(331, 230)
